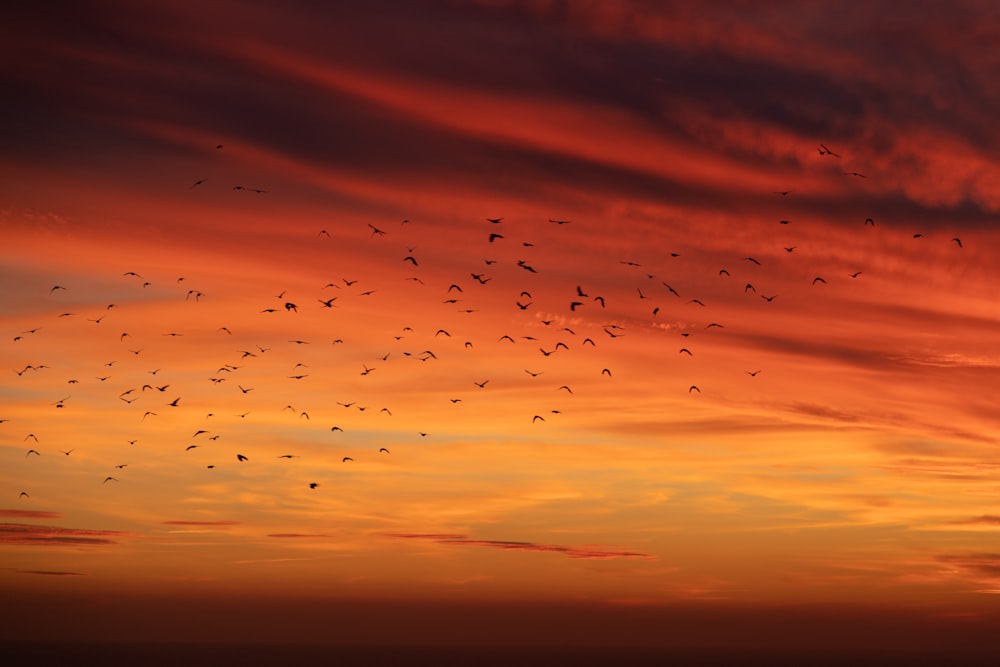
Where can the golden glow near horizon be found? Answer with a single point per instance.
(731, 335)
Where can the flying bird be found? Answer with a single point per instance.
(823, 150)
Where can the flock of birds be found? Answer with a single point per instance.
(147, 393)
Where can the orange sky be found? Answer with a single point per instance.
(838, 452)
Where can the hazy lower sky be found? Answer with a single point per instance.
(633, 310)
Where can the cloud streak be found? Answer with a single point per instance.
(507, 545)
(31, 534)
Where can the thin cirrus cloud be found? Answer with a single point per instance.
(36, 535)
(30, 514)
(507, 545)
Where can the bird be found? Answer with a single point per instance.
(240, 457)
(313, 485)
(752, 374)
(823, 150)
(382, 450)
(109, 479)
(855, 274)
(693, 388)
(495, 221)
(346, 459)
(817, 279)
(958, 241)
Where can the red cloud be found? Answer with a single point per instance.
(30, 534)
(570, 551)
(294, 535)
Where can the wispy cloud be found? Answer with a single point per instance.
(981, 565)
(30, 534)
(30, 514)
(52, 573)
(201, 523)
(983, 520)
(508, 545)
(295, 535)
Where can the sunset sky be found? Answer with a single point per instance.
(263, 229)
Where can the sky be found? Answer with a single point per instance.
(476, 314)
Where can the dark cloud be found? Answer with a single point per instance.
(53, 573)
